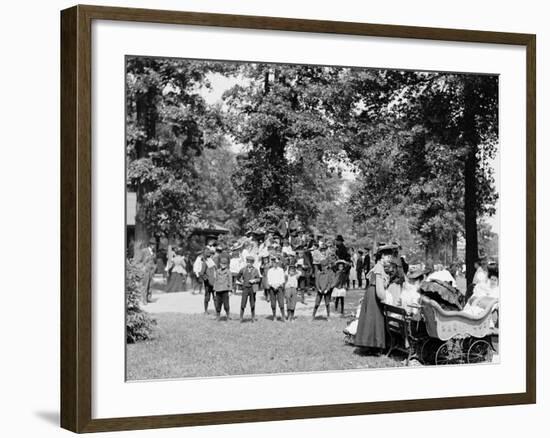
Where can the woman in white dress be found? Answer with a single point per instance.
(353, 271)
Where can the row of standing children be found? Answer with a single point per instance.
(280, 286)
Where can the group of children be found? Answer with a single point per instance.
(281, 280)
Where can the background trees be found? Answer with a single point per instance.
(280, 119)
(374, 155)
(168, 126)
(435, 141)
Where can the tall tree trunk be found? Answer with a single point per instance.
(470, 183)
(470, 215)
(146, 114)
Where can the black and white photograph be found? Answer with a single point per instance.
(289, 218)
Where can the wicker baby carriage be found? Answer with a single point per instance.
(455, 337)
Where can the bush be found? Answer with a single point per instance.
(139, 324)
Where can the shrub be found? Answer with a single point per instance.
(139, 324)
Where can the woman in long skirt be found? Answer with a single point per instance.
(178, 275)
(371, 330)
(352, 275)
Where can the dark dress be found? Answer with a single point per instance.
(178, 275)
(371, 330)
(176, 282)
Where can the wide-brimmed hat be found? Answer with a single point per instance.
(385, 248)
(339, 238)
(224, 260)
(250, 258)
(416, 274)
(341, 262)
(237, 246)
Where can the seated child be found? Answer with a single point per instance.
(410, 297)
(351, 329)
(484, 295)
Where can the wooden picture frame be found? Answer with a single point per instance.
(76, 218)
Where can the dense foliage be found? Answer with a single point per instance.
(168, 127)
(371, 154)
(139, 324)
(433, 137)
(279, 119)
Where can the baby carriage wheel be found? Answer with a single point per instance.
(480, 351)
(448, 353)
(426, 352)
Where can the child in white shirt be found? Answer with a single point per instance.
(291, 290)
(276, 281)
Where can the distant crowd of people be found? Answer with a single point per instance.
(282, 265)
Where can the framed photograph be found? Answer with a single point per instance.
(270, 218)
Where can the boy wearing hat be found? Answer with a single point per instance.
(250, 278)
(208, 275)
(291, 290)
(276, 282)
(223, 284)
(323, 284)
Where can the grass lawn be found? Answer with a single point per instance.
(199, 346)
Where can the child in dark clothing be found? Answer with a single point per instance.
(323, 284)
(250, 278)
(223, 284)
(266, 264)
(340, 281)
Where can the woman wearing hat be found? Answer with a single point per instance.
(178, 274)
(371, 330)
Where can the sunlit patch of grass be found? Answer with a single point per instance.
(200, 346)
